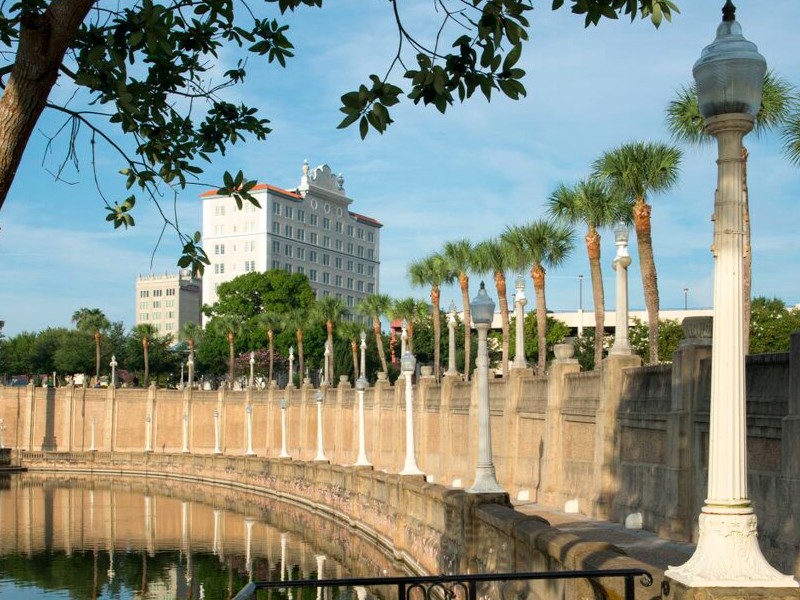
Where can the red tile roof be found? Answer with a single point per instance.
(365, 219)
(258, 188)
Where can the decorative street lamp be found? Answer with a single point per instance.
(92, 447)
(252, 365)
(320, 457)
(248, 413)
(113, 364)
(291, 366)
(407, 365)
(190, 366)
(185, 448)
(216, 433)
(482, 313)
(685, 298)
(284, 453)
(729, 76)
(451, 340)
(403, 337)
(519, 316)
(620, 264)
(148, 433)
(363, 350)
(326, 380)
(361, 387)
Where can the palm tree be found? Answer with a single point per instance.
(191, 333)
(777, 104)
(92, 320)
(375, 306)
(459, 256)
(297, 320)
(493, 256)
(432, 271)
(330, 311)
(539, 244)
(350, 331)
(408, 309)
(145, 332)
(634, 171)
(230, 326)
(589, 203)
(270, 322)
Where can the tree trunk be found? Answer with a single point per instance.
(44, 38)
(747, 258)
(376, 327)
(647, 267)
(301, 372)
(502, 300)
(598, 296)
(97, 356)
(230, 359)
(354, 348)
(271, 338)
(463, 281)
(437, 330)
(145, 346)
(538, 275)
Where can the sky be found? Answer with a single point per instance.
(430, 178)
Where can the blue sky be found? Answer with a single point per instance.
(431, 178)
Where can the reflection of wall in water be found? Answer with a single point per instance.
(70, 514)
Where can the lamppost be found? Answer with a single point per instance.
(685, 298)
(291, 366)
(729, 76)
(361, 387)
(185, 448)
(403, 337)
(113, 364)
(580, 305)
(182, 366)
(363, 350)
(2, 429)
(148, 433)
(519, 317)
(327, 353)
(216, 433)
(451, 340)
(190, 366)
(284, 453)
(252, 366)
(320, 457)
(621, 263)
(482, 313)
(92, 447)
(248, 410)
(407, 364)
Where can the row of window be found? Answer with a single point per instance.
(300, 253)
(156, 304)
(249, 246)
(156, 293)
(156, 316)
(289, 211)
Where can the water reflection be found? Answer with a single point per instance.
(101, 537)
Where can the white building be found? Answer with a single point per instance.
(168, 301)
(308, 230)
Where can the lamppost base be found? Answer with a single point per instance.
(411, 470)
(486, 483)
(251, 453)
(727, 553)
(362, 462)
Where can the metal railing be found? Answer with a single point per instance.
(449, 586)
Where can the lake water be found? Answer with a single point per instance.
(65, 537)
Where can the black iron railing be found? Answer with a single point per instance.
(449, 586)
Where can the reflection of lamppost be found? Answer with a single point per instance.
(482, 314)
(252, 365)
(284, 453)
(407, 364)
(621, 263)
(361, 386)
(320, 457)
(580, 305)
(451, 339)
(185, 448)
(685, 298)
(729, 76)
(113, 364)
(519, 317)
(148, 433)
(92, 446)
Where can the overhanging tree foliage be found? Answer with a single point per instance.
(144, 68)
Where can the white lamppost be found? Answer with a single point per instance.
(729, 76)
(216, 433)
(620, 264)
(327, 354)
(403, 337)
(248, 410)
(685, 298)
(113, 364)
(407, 364)
(451, 339)
(363, 355)
(284, 453)
(482, 313)
(190, 365)
(361, 387)
(580, 305)
(519, 316)
(182, 366)
(252, 365)
(291, 366)
(320, 457)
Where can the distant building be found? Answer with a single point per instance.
(168, 301)
(308, 230)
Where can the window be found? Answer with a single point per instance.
(250, 246)
(170, 303)
(338, 281)
(144, 293)
(156, 304)
(326, 277)
(326, 223)
(312, 256)
(301, 216)
(301, 234)
(219, 268)
(350, 265)
(301, 253)
(171, 292)
(249, 265)
(360, 285)
(300, 270)
(313, 220)
(326, 260)
(339, 245)
(276, 247)
(370, 271)
(370, 253)
(287, 231)
(276, 208)
(169, 326)
(312, 274)
(219, 249)
(349, 283)
(288, 212)
(157, 293)
(370, 236)
(326, 241)
(360, 251)
(287, 267)
(156, 316)
(170, 314)
(338, 262)
(360, 268)
(276, 264)
(312, 237)
(338, 227)
(219, 229)
(219, 211)
(338, 295)
(143, 304)
(370, 288)
(144, 316)
(287, 249)
(350, 230)
(350, 248)
(350, 301)
(360, 233)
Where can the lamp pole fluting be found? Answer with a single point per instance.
(284, 453)
(729, 76)
(363, 355)
(320, 457)
(361, 387)
(248, 410)
(485, 480)
(580, 305)
(113, 364)
(217, 449)
(451, 340)
(519, 317)
(407, 364)
(620, 264)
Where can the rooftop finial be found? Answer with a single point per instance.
(728, 11)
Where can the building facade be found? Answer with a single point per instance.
(309, 230)
(168, 301)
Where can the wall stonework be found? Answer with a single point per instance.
(623, 440)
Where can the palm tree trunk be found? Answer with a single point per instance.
(301, 372)
(463, 280)
(647, 267)
(502, 300)
(354, 348)
(230, 359)
(376, 327)
(598, 295)
(97, 355)
(538, 276)
(270, 337)
(145, 346)
(329, 329)
(747, 258)
(437, 330)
